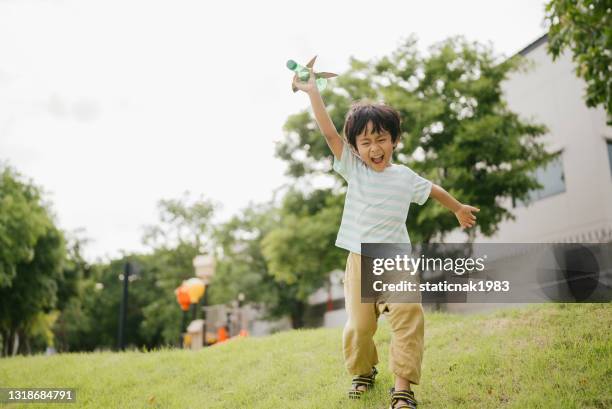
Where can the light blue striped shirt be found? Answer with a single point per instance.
(377, 203)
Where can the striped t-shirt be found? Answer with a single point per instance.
(377, 203)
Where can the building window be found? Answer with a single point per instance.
(552, 179)
(610, 155)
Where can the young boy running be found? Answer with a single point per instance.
(375, 211)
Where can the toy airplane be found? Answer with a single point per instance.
(292, 65)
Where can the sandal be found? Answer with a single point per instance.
(404, 397)
(362, 380)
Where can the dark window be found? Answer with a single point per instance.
(610, 155)
(552, 179)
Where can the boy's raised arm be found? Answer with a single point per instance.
(334, 141)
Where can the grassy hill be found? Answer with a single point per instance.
(537, 356)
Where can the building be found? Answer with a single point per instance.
(575, 204)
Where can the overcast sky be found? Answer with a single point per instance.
(113, 105)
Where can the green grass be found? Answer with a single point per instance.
(537, 356)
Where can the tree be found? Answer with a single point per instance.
(585, 27)
(90, 321)
(277, 256)
(70, 291)
(242, 268)
(161, 272)
(457, 130)
(240, 265)
(182, 220)
(300, 251)
(23, 220)
(31, 257)
(184, 231)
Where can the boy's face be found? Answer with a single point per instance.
(375, 149)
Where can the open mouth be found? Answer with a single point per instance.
(378, 160)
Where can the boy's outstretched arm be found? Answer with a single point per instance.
(462, 212)
(334, 141)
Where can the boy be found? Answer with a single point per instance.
(375, 211)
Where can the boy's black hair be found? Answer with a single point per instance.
(383, 117)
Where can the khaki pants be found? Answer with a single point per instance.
(407, 325)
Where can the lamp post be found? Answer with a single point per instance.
(204, 266)
(240, 317)
(129, 274)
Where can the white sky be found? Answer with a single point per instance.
(113, 105)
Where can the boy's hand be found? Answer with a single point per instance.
(308, 87)
(465, 217)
